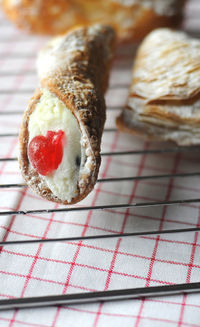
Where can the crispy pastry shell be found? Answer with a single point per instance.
(164, 96)
(78, 75)
(131, 19)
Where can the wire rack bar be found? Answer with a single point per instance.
(16, 91)
(104, 236)
(17, 55)
(12, 185)
(102, 207)
(147, 177)
(137, 152)
(8, 159)
(121, 179)
(153, 151)
(13, 39)
(93, 297)
(20, 112)
(17, 73)
(10, 113)
(9, 135)
(106, 130)
(30, 91)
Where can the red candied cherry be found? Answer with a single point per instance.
(46, 152)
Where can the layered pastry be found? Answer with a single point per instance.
(132, 19)
(164, 96)
(60, 136)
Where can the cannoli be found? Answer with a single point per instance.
(132, 19)
(164, 96)
(60, 135)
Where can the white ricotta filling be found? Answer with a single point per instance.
(51, 114)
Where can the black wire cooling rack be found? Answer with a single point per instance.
(102, 295)
(113, 295)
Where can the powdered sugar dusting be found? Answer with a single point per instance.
(161, 7)
(164, 97)
(167, 65)
(58, 54)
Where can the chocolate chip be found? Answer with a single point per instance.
(78, 161)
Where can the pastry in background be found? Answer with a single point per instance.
(60, 136)
(164, 96)
(132, 19)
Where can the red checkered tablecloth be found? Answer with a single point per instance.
(70, 267)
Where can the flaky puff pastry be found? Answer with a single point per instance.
(132, 19)
(164, 96)
(68, 105)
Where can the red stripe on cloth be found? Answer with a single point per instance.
(111, 269)
(136, 215)
(46, 281)
(37, 254)
(188, 277)
(174, 322)
(60, 222)
(90, 267)
(12, 218)
(24, 323)
(8, 229)
(102, 250)
(19, 79)
(180, 322)
(28, 277)
(178, 187)
(97, 314)
(87, 223)
(173, 303)
(170, 241)
(141, 166)
(170, 187)
(104, 229)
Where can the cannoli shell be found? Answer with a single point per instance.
(79, 81)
